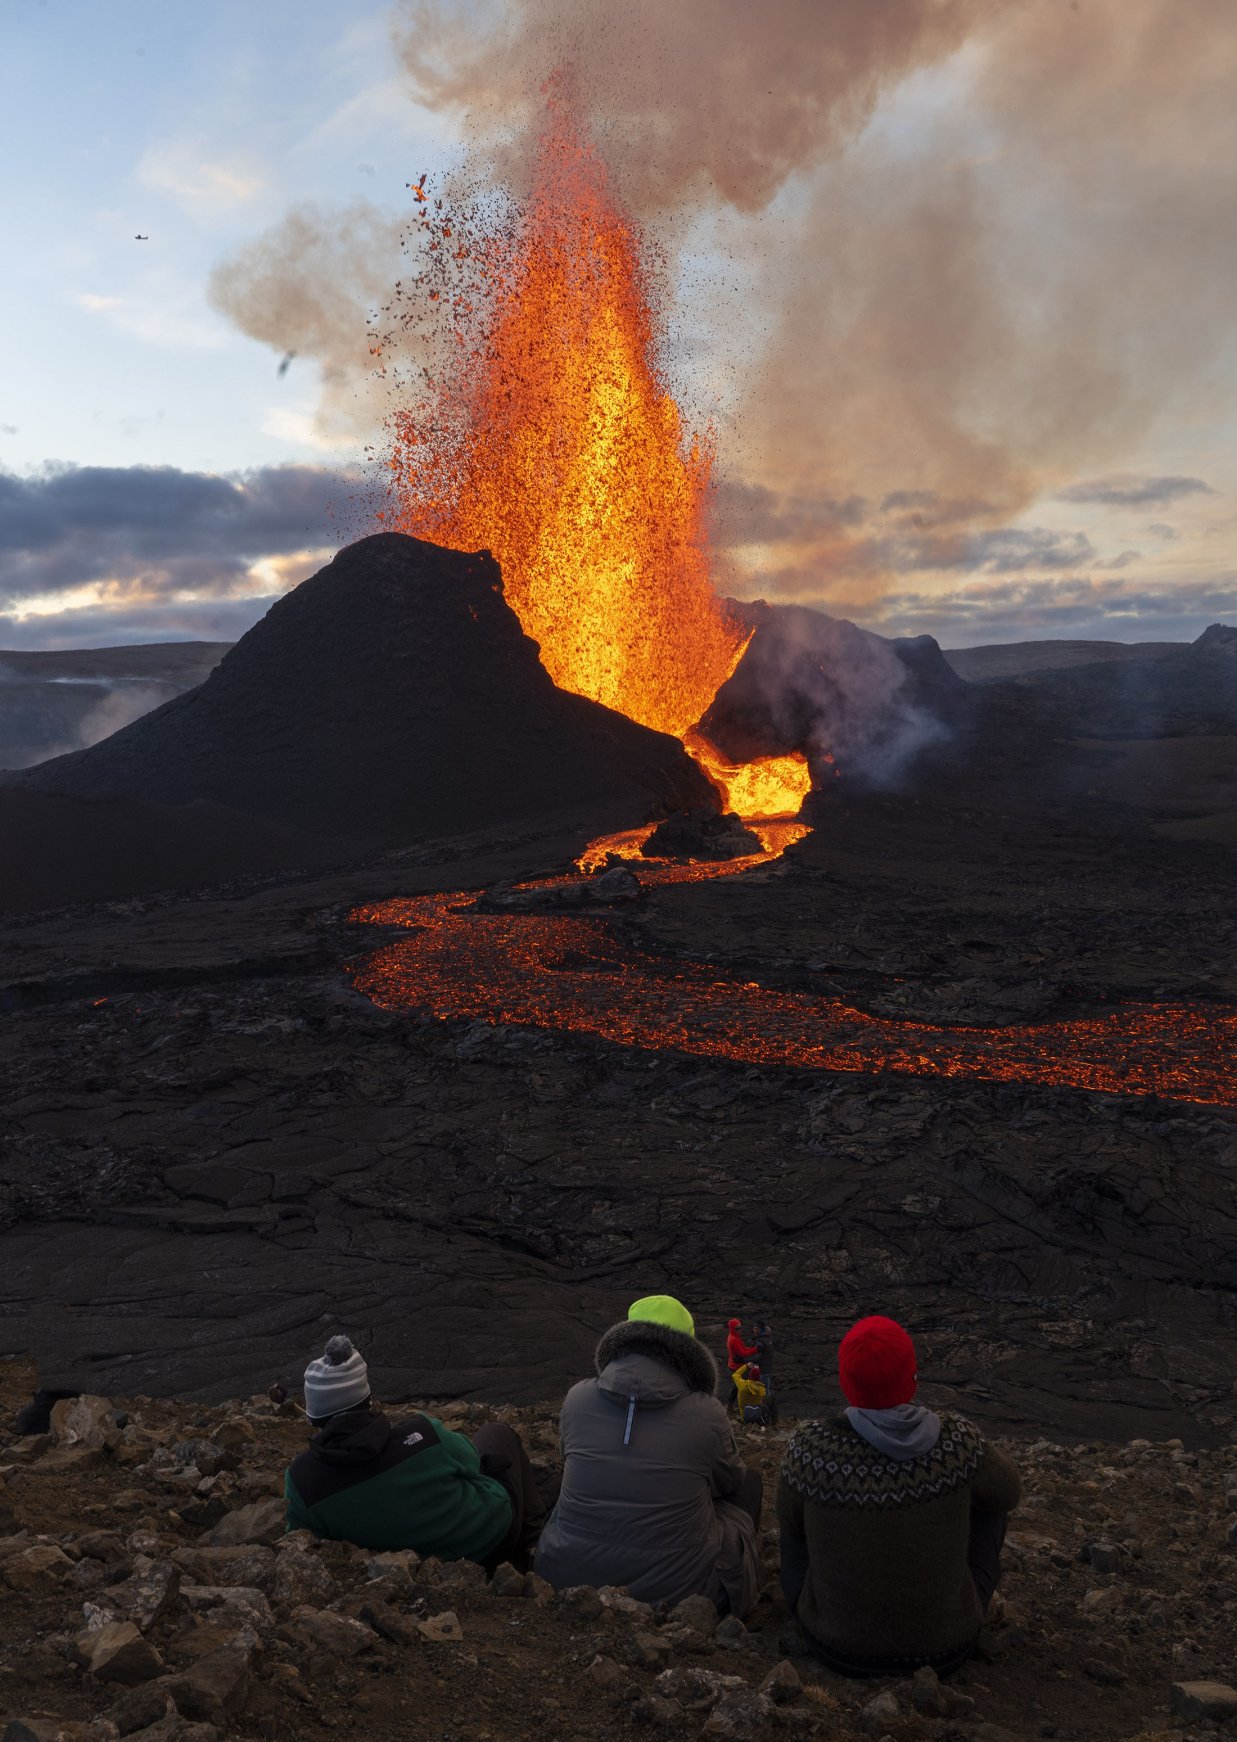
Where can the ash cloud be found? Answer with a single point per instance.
(1022, 283)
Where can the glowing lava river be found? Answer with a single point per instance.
(572, 972)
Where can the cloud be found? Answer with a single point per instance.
(97, 304)
(203, 188)
(1075, 607)
(1130, 490)
(130, 543)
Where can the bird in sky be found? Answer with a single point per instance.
(141, 238)
(284, 362)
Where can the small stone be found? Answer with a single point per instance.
(239, 1603)
(698, 1612)
(608, 1675)
(696, 1689)
(263, 1521)
(1105, 1557)
(731, 1634)
(644, 1650)
(340, 1635)
(782, 1684)
(40, 1567)
(147, 1597)
(1104, 1600)
(116, 1652)
(538, 1590)
(1184, 1495)
(651, 1709)
(927, 1694)
(445, 1627)
(507, 1582)
(1203, 1702)
(138, 1707)
(740, 1713)
(1104, 1671)
(581, 1601)
(623, 1603)
(215, 1687)
(1230, 1499)
(880, 1713)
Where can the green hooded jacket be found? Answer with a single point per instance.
(413, 1485)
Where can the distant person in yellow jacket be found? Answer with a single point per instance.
(750, 1387)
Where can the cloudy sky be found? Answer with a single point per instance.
(952, 281)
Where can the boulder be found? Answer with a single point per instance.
(263, 1521)
(1204, 1702)
(445, 1627)
(215, 1688)
(40, 1567)
(699, 1613)
(86, 1421)
(879, 1714)
(117, 1652)
(147, 1597)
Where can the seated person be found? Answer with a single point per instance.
(654, 1494)
(892, 1519)
(411, 1485)
(749, 1386)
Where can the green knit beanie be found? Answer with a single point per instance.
(663, 1309)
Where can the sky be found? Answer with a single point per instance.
(971, 364)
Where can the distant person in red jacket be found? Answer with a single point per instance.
(737, 1352)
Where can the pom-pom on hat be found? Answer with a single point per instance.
(876, 1364)
(663, 1309)
(338, 1381)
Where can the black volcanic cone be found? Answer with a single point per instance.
(391, 696)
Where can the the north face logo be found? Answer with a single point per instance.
(414, 1439)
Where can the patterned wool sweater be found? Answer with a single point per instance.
(882, 1542)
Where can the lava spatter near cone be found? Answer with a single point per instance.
(391, 696)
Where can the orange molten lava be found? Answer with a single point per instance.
(560, 449)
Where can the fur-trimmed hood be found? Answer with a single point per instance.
(683, 1355)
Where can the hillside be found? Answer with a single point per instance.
(147, 1590)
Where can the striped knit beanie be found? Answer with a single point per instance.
(340, 1380)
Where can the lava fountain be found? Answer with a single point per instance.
(552, 440)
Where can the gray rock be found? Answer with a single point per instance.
(696, 1689)
(782, 1684)
(1203, 1702)
(581, 1601)
(339, 1635)
(1105, 1557)
(731, 1634)
(116, 1652)
(147, 1597)
(215, 1688)
(880, 1713)
(444, 1628)
(263, 1521)
(740, 1712)
(139, 1707)
(507, 1581)
(623, 1603)
(86, 1421)
(697, 1612)
(927, 1694)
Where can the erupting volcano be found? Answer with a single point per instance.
(551, 439)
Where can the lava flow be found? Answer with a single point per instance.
(573, 973)
(551, 440)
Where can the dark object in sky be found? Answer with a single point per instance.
(141, 238)
(284, 361)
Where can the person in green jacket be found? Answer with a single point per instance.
(412, 1484)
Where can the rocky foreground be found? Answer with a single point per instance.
(147, 1590)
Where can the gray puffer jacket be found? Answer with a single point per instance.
(650, 1464)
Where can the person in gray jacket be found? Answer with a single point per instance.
(655, 1496)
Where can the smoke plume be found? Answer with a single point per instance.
(985, 246)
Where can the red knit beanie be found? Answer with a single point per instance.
(876, 1364)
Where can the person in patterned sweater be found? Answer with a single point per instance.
(892, 1519)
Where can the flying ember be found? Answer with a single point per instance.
(552, 440)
